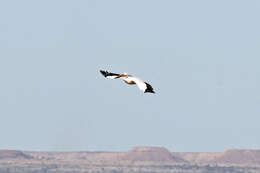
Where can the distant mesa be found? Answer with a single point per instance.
(239, 157)
(13, 154)
(229, 157)
(157, 154)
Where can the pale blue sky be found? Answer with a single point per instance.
(202, 58)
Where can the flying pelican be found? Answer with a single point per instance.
(129, 79)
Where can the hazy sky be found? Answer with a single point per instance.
(202, 58)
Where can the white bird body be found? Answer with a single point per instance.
(134, 80)
(129, 79)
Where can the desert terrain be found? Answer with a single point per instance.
(136, 160)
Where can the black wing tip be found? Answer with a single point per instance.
(149, 88)
(148, 91)
(104, 73)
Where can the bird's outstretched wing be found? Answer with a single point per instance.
(109, 75)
